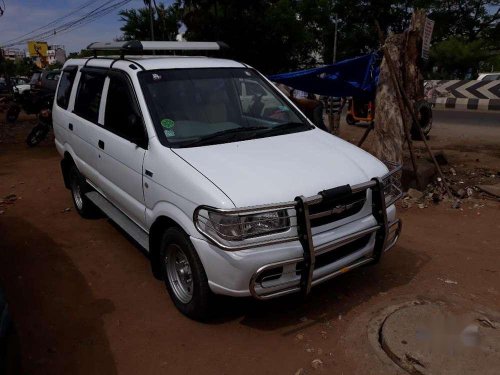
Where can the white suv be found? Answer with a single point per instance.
(218, 175)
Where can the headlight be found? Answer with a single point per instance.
(238, 228)
(392, 185)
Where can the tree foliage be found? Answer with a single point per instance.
(23, 67)
(166, 21)
(282, 35)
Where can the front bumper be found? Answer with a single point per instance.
(288, 264)
(291, 276)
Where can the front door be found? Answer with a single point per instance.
(122, 146)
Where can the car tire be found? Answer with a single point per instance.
(423, 110)
(184, 275)
(79, 187)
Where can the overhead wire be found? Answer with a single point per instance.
(100, 11)
(53, 22)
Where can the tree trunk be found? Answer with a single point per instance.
(404, 50)
(389, 131)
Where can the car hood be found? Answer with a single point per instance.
(277, 169)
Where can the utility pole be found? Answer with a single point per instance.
(334, 118)
(335, 39)
(151, 25)
(151, 20)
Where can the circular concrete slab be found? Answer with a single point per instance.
(438, 338)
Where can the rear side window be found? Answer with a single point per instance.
(88, 97)
(65, 85)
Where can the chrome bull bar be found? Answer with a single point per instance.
(381, 230)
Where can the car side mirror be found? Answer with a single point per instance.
(136, 130)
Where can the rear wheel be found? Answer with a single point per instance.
(184, 275)
(78, 188)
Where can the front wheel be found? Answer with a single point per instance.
(184, 275)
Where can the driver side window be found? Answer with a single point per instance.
(122, 115)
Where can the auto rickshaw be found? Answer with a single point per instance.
(360, 110)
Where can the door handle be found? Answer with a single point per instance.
(100, 144)
(70, 126)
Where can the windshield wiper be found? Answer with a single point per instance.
(222, 134)
(283, 128)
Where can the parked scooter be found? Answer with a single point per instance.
(42, 128)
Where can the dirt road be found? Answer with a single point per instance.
(85, 302)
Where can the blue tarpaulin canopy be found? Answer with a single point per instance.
(352, 77)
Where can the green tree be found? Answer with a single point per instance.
(270, 35)
(466, 37)
(137, 26)
(282, 35)
(456, 58)
(23, 67)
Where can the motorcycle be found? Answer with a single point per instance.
(41, 129)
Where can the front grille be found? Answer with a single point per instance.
(337, 209)
(336, 254)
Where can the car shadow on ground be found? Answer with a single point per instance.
(327, 301)
(58, 320)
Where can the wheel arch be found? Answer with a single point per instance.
(66, 163)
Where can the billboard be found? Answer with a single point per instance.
(37, 49)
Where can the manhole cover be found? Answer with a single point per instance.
(439, 338)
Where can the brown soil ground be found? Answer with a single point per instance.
(85, 302)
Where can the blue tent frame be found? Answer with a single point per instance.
(357, 77)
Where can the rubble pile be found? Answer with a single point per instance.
(465, 183)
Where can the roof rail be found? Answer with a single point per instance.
(136, 46)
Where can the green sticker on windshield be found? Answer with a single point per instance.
(167, 123)
(169, 133)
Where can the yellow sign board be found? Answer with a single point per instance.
(37, 49)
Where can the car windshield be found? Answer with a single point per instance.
(194, 107)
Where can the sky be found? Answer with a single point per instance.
(22, 16)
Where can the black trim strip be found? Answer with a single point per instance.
(450, 102)
(494, 105)
(472, 103)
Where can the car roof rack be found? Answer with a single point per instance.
(137, 46)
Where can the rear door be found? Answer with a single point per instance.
(61, 110)
(83, 122)
(122, 145)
